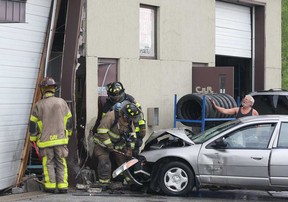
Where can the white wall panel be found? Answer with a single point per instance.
(11, 133)
(12, 108)
(24, 35)
(6, 157)
(21, 47)
(8, 170)
(18, 72)
(233, 30)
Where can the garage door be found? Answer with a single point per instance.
(233, 30)
(21, 47)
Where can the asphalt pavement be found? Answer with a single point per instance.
(127, 196)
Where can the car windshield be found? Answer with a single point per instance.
(212, 132)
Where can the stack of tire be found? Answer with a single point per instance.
(190, 106)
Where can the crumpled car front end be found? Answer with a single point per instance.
(162, 147)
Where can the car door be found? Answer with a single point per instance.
(279, 161)
(239, 158)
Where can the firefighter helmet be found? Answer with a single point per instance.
(48, 84)
(131, 111)
(48, 81)
(116, 92)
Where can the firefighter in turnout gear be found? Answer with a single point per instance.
(116, 96)
(50, 127)
(116, 132)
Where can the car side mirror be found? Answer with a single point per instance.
(219, 144)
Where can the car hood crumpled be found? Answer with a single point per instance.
(177, 132)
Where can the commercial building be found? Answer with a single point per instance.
(156, 48)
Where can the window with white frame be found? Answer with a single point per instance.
(147, 38)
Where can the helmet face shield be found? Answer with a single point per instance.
(116, 98)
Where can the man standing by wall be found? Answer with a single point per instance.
(50, 127)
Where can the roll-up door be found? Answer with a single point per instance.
(21, 47)
(233, 30)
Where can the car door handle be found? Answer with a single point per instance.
(257, 157)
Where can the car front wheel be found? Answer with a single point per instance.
(176, 179)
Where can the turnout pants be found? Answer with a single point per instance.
(55, 167)
(104, 164)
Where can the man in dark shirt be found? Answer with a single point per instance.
(245, 109)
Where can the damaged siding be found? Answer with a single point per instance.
(21, 47)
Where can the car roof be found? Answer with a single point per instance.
(275, 91)
(264, 117)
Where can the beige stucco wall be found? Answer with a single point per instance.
(186, 34)
(273, 64)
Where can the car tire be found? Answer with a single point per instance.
(176, 179)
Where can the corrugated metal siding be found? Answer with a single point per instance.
(21, 47)
(233, 30)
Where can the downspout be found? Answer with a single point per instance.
(51, 31)
(253, 48)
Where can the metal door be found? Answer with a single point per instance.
(279, 163)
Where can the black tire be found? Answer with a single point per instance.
(176, 179)
(189, 107)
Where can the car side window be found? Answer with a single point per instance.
(250, 137)
(283, 136)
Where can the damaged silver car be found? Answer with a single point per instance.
(246, 153)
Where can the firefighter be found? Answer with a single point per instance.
(116, 95)
(50, 127)
(116, 132)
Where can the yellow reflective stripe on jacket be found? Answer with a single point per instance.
(104, 143)
(103, 114)
(50, 143)
(114, 135)
(37, 121)
(97, 141)
(132, 145)
(119, 146)
(104, 181)
(102, 130)
(138, 104)
(137, 129)
(68, 132)
(108, 141)
(33, 138)
(141, 122)
(69, 115)
(133, 135)
(40, 126)
(33, 118)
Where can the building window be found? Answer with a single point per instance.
(12, 11)
(147, 38)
